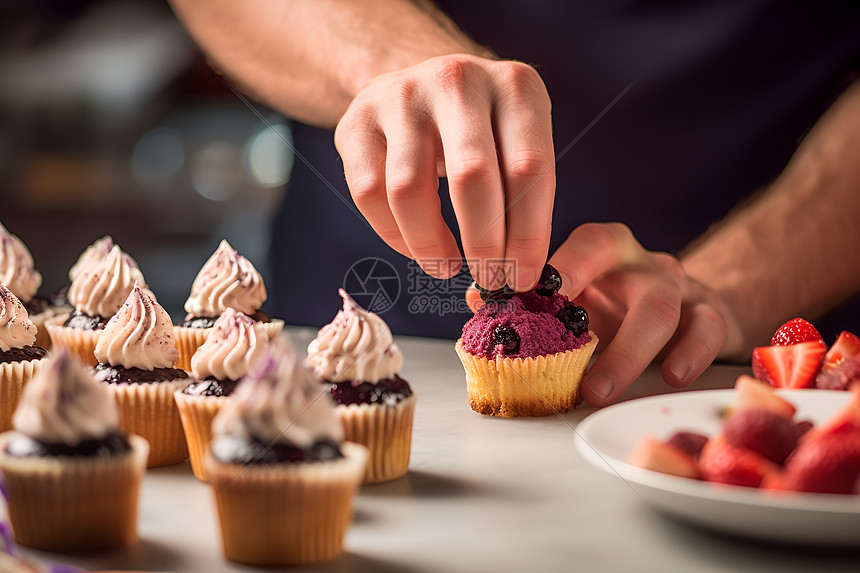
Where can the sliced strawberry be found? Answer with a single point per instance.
(473, 298)
(795, 331)
(658, 456)
(846, 419)
(793, 366)
(752, 394)
(840, 376)
(847, 344)
(723, 463)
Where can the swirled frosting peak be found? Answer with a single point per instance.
(63, 404)
(100, 290)
(357, 346)
(17, 270)
(96, 253)
(233, 347)
(139, 335)
(280, 401)
(227, 280)
(16, 328)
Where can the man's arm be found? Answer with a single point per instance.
(795, 249)
(308, 58)
(412, 97)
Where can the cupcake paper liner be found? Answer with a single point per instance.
(197, 413)
(539, 386)
(43, 338)
(387, 433)
(73, 504)
(188, 340)
(13, 377)
(287, 513)
(149, 410)
(81, 343)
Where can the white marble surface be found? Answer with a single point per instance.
(482, 494)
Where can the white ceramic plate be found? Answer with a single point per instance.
(606, 438)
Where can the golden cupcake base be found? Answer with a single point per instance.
(149, 410)
(516, 387)
(80, 343)
(13, 377)
(387, 433)
(71, 504)
(197, 413)
(286, 514)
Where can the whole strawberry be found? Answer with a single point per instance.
(795, 331)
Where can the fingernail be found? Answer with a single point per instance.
(680, 370)
(526, 277)
(600, 385)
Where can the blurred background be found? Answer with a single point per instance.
(111, 122)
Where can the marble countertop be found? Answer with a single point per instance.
(482, 494)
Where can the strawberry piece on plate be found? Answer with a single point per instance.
(795, 331)
(828, 464)
(654, 455)
(763, 432)
(691, 443)
(793, 366)
(752, 394)
(721, 462)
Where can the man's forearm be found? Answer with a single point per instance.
(308, 58)
(794, 250)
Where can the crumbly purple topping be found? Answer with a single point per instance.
(532, 316)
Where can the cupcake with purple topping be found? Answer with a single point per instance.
(226, 280)
(283, 476)
(97, 292)
(71, 475)
(235, 346)
(20, 356)
(356, 356)
(136, 354)
(525, 353)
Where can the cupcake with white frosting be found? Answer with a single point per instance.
(356, 356)
(18, 273)
(282, 474)
(226, 280)
(235, 346)
(97, 292)
(72, 476)
(20, 356)
(136, 355)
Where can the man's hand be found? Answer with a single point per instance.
(642, 305)
(483, 123)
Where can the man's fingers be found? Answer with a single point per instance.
(697, 342)
(412, 188)
(524, 137)
(651, 321)
(592, 250)
(472, 166)
(362, 147)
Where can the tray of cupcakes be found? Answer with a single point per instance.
(100, 385)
